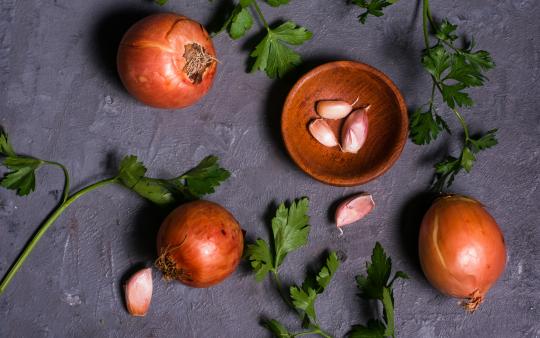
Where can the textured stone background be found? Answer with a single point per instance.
(61, 100)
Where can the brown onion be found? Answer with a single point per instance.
(199, 244)
(167, 61)
(462, 249)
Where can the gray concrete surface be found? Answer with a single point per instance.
(61, 100)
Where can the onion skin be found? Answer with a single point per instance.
(199, 244)
(151, 61)
(462, 249)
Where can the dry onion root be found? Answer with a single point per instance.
(462, 249)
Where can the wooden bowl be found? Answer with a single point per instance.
(387, 121)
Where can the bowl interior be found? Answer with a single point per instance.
(387, 120)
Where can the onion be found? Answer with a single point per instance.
(199, 244)
(462, 249)
(167, 61)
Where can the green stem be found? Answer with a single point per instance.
(45, 226)
(260, 14)
(432, 97)
(65, 194)
(463, 124)
(425, 18)
(281, 290)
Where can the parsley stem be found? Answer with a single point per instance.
(65, 193)
(45, 226)
(425, 13)
(463, 124)
(281, 291)
(260, 14)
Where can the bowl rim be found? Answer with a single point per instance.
(394, 156)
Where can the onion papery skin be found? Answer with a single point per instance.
(199, 244)
(462, 249)
(152, 58)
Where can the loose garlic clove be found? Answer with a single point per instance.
(138, 292)
(354, 209)
(354, 131)
(334, 109)
(322, 132)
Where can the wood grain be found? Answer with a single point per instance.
(387, 119)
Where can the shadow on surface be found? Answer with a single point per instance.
(409, 220)
(106, 36)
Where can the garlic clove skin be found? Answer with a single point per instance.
(354, 209)
(354, 131)
(333, 110)
(138, 292)
(322, 132)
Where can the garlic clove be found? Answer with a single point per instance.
(333, 109)
(322, 132)
(353, 209)
(354, 131)
(138, 292)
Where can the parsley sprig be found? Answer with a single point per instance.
(21, 177)
(453, 70)
(290, 230)
(273, 53)
(376, 285)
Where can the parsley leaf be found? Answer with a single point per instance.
(290, 231)
(276, 3)
(240, 21)
(424, 127)
(277, 328)
(290, 228)
(375, 286)
(194, 184)
(5, 147)
(203, 179)
(304, 297)
(484, 142)
(22, 176)
(373, 7)
(131, 171)
(327, 272)
(161, 2)
(304, 300)
(273, 56)
(261, 259)
(446, 31)
(374, 329)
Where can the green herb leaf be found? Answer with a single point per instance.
(260, 258)
(436, 61)
(486, 141)
(277, 3)
(290, 228)
(5, 147)
(446, 31)
(467, 159)
(277, 328)
(453, 95)
(375, 286)
(327, 272)
(424, 128)
(131, 171)
(192, 185)
(378, 273)
(373, 7)
(273, 56)
(161, 2)
(22, 176)
(205, 177)
(304, 300)
(374, 329)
